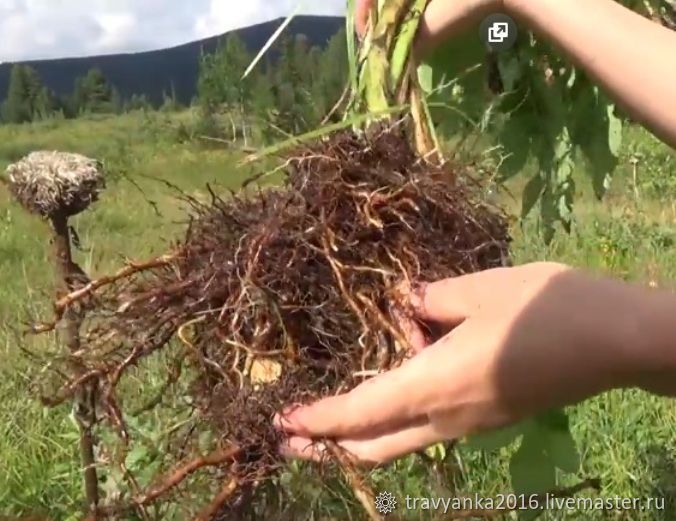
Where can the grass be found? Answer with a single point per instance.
(627, 438)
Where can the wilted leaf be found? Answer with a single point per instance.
(265, 371)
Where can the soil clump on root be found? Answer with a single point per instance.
(286, 295)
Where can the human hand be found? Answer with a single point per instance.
(520, 341)
(442, 19)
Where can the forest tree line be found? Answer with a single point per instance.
(292, 90)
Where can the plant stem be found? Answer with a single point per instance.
(360, 489)
(72, 277)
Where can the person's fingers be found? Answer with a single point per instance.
(302, 448)
(445, 301)
(362, 12)
(383, 403)
(412, 331)
(451, 301)
(369, 451)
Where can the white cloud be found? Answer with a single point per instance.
(33, 29)
(221, 16)
(119, 29)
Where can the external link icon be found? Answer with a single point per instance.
(499, 32)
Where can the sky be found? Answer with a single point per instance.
(36, 29)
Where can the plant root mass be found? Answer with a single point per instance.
(285, 295)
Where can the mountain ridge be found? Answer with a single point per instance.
(175, 68)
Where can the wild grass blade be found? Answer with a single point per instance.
(272, 39)
(355, 120)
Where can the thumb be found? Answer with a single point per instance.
(362, 13)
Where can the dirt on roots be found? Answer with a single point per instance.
(286, 295)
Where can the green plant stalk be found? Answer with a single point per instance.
(388, 74)
(352, 121)
(403, 45)
(351, 48)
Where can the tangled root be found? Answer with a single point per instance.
(287, 295)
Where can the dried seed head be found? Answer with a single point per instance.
(56, 183)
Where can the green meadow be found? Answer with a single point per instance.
(627, 439)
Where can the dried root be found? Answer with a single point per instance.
(286, 295)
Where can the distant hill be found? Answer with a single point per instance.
(155, 72)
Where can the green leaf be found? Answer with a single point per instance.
(614, 131)
(515, 138)
(149, 473)
(135, 456)
(565, 184)
(547, 444)
(597, 132)
(531, 468)
(555, 427)
(555, 419)
(531, 193)
(601, 160)
(491, 441)
(563, 450)
(600, 170)
(426, 78)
